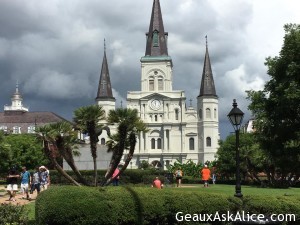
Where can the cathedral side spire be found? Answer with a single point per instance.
(156, 37)
(104, 87)
(207, 87)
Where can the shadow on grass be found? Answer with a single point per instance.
(138, 204)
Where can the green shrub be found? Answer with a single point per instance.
(13, 214)
(135, 176)
(146, 206)
(123, 205)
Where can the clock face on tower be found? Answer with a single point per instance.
(155, 104)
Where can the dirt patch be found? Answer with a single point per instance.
(4, 196)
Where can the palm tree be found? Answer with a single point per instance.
(129, 125)
(59, 139)
(87, 120)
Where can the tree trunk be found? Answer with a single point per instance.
(67, 154)
(117, 153)
(52, 157)
(93, 145)
(77, 173)
(132, 140)
(62, 172)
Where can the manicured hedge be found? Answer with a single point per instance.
(13, 214)
(125, 205)
(135, 176)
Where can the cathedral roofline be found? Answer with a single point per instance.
(156, 58)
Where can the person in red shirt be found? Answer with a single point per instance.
(115, 177)
(205, 173)
(157, 183)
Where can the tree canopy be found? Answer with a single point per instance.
(20, 150)
(276, 108)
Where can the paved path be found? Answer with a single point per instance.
(19, 201)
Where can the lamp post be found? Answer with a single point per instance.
(235, 117)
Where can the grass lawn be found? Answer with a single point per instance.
(246, 190)
(31, 212)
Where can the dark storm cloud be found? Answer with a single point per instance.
(55, 48)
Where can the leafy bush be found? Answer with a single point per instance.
(135, 176)
(129, 206)
(13, 214)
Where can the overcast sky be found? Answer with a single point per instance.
(54, 48)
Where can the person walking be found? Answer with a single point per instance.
(12, 183)
(205, 173)
(178, 175)
(25, 183)
(45, 178)
(36, 181)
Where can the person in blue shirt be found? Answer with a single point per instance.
(25, 182)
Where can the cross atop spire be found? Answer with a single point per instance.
(207, 87)
(104, 87)
(156, 37)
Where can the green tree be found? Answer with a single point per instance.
(59, 140)
(21, 150)
(252, 159)
(129, 125)
(87, 120)
(5, 154)
(277, 109)
(188, 168)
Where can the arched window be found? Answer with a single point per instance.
(160, 84)
(158, 143)
(208, 142)
(208, 116)
(200, 114)
(176, 114)
(155, 118)
(215, 113)
(152, 143)
(151, 84)
(102, 141)
(192, 144)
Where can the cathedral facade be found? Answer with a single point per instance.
(176, 131)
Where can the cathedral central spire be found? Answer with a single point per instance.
(156, 37)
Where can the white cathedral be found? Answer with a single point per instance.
(176, 131)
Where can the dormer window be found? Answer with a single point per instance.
(16, 130)
(31, 129)
(155, 38)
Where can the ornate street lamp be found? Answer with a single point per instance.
(236, 117)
